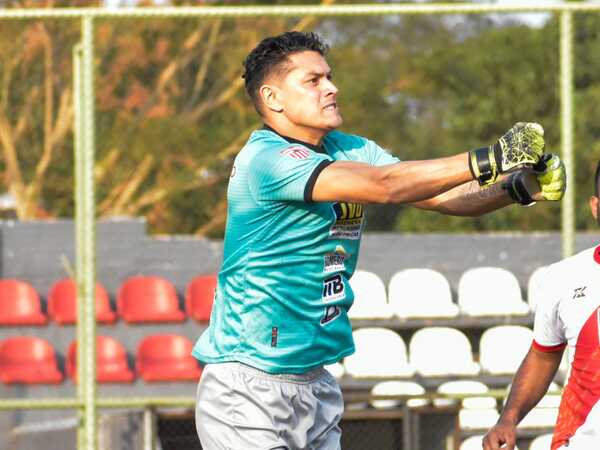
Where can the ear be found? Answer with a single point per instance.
(593, 202)
(269, 95)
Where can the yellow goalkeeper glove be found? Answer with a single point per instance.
(547, 181)
(521, 146)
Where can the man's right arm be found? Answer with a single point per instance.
(529, 386)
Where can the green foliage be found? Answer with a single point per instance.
(172, 112)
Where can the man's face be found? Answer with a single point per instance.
(306, 94)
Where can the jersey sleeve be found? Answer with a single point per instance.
(378, 156)
(548, 329)
(285, 174)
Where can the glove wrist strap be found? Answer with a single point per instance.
(515, 188)
(482, 164)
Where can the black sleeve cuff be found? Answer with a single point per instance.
(310, 184)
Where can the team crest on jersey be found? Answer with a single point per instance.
(348, 221)
(335, 262)
(296, 152)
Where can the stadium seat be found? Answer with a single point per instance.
(199, 297)
(370, 300)
(533, 290)
(494, 358)
(148, 299)
(545, 413)
(441, 351)
(336, 369)
(111, 361)
(166, 357)
(476, 443)
(490, 291)
(62, 303)
(415, 293)
(20, 304)
(541, 442)
(379, 353)
(29, 360)
(465, 387)
(398, 388)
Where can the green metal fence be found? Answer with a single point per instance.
(86, 401)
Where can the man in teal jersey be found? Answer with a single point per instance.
(294, 225)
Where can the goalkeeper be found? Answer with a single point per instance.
(294, 224)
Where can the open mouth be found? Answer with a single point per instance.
(330, 107)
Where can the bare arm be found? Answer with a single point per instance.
(468, 199)
(529, 386)
(403, 182)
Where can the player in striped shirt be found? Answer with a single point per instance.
(567, 316)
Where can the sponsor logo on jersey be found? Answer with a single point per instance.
(296, 152)
(348, 221)
(333, 288)
(335, 262)
(579, 292)
(332, 312)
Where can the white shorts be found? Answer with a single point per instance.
(239, 407)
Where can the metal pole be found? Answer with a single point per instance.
(89, 236)
(566, 119)
(78, 131)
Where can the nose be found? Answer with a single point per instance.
(329, 87)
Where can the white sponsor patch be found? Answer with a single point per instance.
(333, 288)
(348, 223)
(334, 262)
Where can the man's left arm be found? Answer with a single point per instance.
(546, 182)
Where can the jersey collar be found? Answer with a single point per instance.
(314, 148)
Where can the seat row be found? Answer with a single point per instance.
(163, 357)
(478, 411)
(426, 293)
(435, 352)
(139, 299)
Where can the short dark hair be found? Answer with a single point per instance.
(597, 180)
(271, 54)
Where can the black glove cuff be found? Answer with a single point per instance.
(480, 165)
(515, 188)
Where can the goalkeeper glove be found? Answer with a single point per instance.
(550, 176)
(521, 146)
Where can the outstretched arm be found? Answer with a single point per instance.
(529, 386)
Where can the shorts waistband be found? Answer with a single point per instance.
(305, 377)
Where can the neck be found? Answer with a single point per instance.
(305, 135)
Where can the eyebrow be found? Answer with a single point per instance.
(318, 74)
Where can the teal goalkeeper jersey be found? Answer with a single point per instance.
(283, 294)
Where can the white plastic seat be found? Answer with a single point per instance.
(490, 291)
(336, 369)
(476, 443)
(542, 442)
(421, 293)
(441, 351)
(477, 419)
(545, 413)
(370, 299)
(379, 353)
(465, 387)
(398, 388)
(493, 355)
(533, 287)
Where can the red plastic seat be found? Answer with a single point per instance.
(62, 303)
(148, 299)
(27, 359)
(111, 361)
(199, 297)
(20, 304)
(166, 357)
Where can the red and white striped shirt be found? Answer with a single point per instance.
(568, 314)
